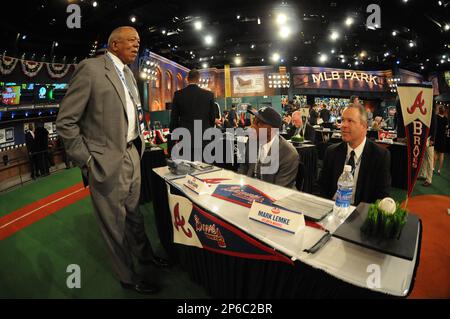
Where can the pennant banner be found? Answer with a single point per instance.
(417, 109)
(193, 226)
(242, 195)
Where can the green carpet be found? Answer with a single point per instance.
(33, 261)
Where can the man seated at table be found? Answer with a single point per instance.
(268, 121)
(370, 162)
(297, 128)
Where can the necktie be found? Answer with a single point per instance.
(135, 98)
(351, 161)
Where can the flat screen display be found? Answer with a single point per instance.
(10, 95)
(43, 93)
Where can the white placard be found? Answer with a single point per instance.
(277, 218)
(198, 186)
(248, 83)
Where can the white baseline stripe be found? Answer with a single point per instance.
(36, 209)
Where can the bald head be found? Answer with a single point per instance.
(297, 119)
(124, 43)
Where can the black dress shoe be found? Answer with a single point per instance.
(142, 288)
(156, 261)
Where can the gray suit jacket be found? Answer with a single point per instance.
(288, 166)
(92, 120)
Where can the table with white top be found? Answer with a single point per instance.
(339, 269)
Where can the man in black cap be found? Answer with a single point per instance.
(274, 151)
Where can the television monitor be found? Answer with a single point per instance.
(10, 95)
(43, 93)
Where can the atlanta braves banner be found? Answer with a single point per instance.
(242, 195)
(417, 107)
(193, 226)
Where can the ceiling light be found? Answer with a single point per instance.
(133, 19)
(94, 4)
(259, 21)
(208, 39)
(356, 62)
(238, 17)
(285, 31)
(440, 3)
(343, 61)
(411, 44)
(422, 67)
(281, 19)
(237, 60)
(334, 35)
(447, 27)
(394, 33)
(205, 65)
(275, 57)
(198, 25)
(323, 58)
(333, 51)
(252, 46)
(349, 21)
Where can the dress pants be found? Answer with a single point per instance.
(120, 220)
(427, 164)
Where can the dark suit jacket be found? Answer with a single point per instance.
(310, 132)
(374, 178)
(192, 103)
(325, 115)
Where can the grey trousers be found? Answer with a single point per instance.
(120, 220)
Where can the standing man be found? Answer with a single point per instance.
(370, 162)
(98, 122)
(30, 142)
(190, 104)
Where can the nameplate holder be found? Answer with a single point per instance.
(198, 186)
(326, 129)
(388, 141)
(277, 218)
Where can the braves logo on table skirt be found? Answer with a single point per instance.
(194, 226)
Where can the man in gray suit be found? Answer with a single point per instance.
(265, 120)
(98, 122)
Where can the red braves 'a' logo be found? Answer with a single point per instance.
(419, 102)
(179, 221)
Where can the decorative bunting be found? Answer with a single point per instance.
(31, 68)
(57, 71)
(7, 64)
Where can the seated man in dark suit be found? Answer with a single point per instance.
(297, 128)
(267, 119)
(370, 162)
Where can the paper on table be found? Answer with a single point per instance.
(314, 210)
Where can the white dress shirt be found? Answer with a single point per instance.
(131, 108)
(358, 153)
